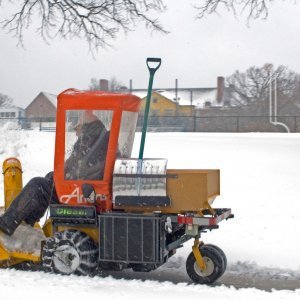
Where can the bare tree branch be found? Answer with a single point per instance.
(96, 21)
(254, 9)
(99, 21)
(253, 84)
(5, 101)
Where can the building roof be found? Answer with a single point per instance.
(186, 96)
(11, 108)
(51, 97)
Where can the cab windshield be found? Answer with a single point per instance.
(86, 142)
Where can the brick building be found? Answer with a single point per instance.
(42, 106)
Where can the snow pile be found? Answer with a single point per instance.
(12, 141)
(25, 239)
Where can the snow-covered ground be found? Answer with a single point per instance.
(260, 181)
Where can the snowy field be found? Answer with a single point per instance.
(260, 181)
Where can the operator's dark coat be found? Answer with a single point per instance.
(88, 156)
(86, 161)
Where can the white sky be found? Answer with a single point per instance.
(195, 52)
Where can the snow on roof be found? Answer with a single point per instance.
(140, 93)
(11, 108)
(51, 97)
(193, 96)
(186, 96)
(189, 96)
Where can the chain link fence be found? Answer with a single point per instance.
(221, 123)
(181, 123)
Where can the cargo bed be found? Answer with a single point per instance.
(185, 191)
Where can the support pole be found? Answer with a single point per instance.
(274, 114)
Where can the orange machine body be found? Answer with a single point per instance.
(118, 105)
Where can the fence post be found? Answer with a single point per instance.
(237, 124)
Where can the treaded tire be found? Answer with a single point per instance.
(221, 252)
(70, 252)
(214, 266)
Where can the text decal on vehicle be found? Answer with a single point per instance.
(71, 212)
(80, 199)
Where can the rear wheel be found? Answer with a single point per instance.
(222, 254)
(70, 252)
(214, 266)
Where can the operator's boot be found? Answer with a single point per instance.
(29, 206)
(21, 209)
(9, 223)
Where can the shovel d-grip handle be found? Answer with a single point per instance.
(153, 60)
(152, 71)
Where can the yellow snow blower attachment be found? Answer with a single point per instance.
(25, 243)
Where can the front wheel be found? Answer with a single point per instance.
(214, 266)
(70, 252)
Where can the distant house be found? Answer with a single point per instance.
(183, 101)
(13, 115)
(43, 106)
(12, 112)
(161, 105)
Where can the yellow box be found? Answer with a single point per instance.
(192, 190)
(189, 191)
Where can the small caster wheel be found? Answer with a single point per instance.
(214, 266)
